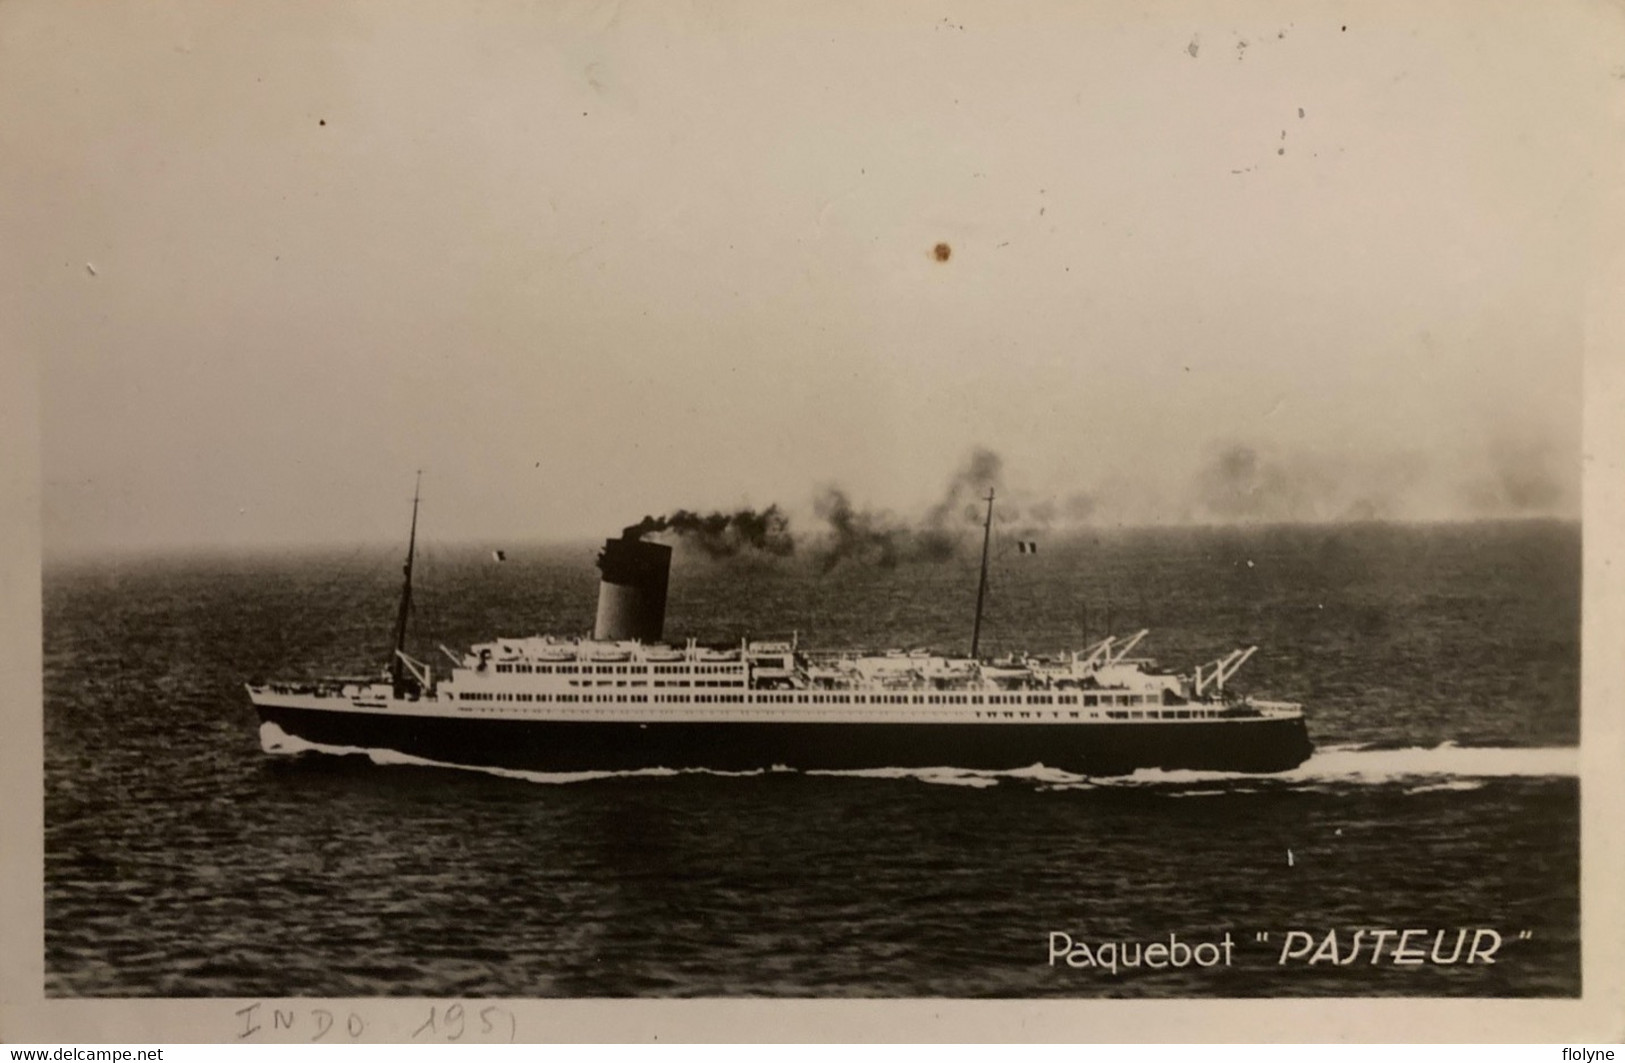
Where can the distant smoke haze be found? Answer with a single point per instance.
(1242, 483)
(1510, 476)
(1524, 476)
(1237, 483)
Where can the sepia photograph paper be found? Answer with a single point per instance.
(811, 521)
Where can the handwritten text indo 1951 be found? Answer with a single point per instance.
(453, 1023)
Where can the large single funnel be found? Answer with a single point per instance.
(632, 595)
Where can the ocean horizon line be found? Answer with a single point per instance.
(53, 554)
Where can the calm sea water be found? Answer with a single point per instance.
(1440, 666)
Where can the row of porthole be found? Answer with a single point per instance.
(980, 714)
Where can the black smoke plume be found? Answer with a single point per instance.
(722, 535)
(967, 489)
(875, 537)
(857, 535)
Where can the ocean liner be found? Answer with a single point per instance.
(624, 700)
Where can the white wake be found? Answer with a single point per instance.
(1421, 769)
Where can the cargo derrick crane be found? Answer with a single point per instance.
(1220, 670)
(1122, 654)
(1106, 652)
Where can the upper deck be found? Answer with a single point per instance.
(549, 663)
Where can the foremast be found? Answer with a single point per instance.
(401, 676)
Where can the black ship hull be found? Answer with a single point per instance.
(1237, 744)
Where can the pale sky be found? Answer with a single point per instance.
(582, 262)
